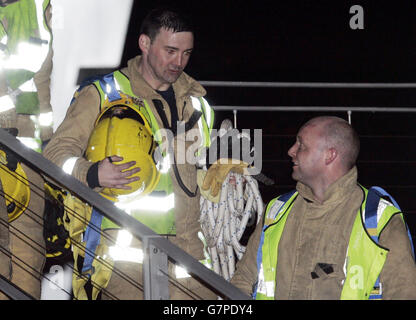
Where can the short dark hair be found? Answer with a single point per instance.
(167, 18)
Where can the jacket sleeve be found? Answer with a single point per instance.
(70, 140)
(398, 277)
(246, 272)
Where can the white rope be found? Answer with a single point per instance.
(223, 223)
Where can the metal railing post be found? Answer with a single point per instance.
(155, 272)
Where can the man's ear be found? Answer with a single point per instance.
(144, 43)
(331, 155)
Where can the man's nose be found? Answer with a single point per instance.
(292, 151)
(178, 61)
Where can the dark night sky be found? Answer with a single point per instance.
(295, 40)
(310, 41)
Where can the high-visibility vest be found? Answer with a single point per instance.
(364, 260)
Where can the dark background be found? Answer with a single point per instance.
(310, 41)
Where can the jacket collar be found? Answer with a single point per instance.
(336, 191)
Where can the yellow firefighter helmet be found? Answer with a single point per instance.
(122, 130)
(15, 187)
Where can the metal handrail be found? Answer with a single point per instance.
(107, 208)
(12, 291)
(315, 108)
(312, 85)
(333, 85)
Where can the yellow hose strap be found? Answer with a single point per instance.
(100, 274)
(79, 214)
(15, 187)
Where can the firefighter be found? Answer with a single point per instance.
(25, 111)
(165, 95)
(330, 238)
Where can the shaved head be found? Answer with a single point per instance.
(339, 135)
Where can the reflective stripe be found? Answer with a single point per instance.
(128, 254)
(265, 287)
(181, 273)
(197, 105)
(164, 165)
(69, 165)
(107, 89)
(28, 86)
(46, 119)
(121, 250)
(120, 253)
(32, 143)
(382, 205)
(274, 210)
(208, 112)
(117, 85)
(148, 203)
(124, 238)
(204, 126)
(6, 103)
(43, 31)
(344, 268)
(30, 57)
(3, 51)
(4, 39)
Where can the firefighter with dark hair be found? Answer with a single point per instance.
(166, 97)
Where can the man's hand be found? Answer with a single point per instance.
(112, 175)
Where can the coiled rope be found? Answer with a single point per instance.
(224, 223)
